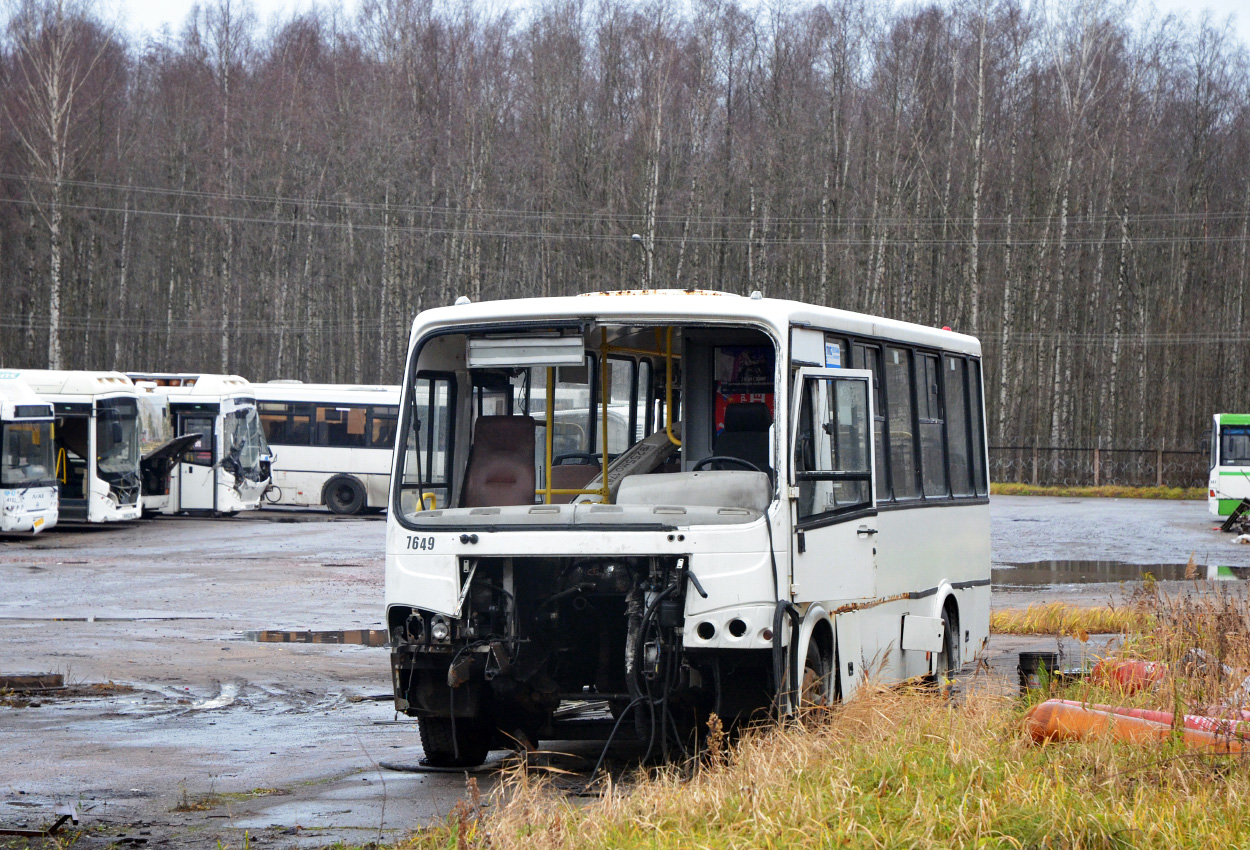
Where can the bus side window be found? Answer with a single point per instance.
(383, 422)
(958, 436)
(932, 425)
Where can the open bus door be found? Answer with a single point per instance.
(834, 500)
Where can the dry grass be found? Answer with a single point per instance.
(901, 768)
(1063, 620)
(1106, 491)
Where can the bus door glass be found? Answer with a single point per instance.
(196, 478)
(831, 471)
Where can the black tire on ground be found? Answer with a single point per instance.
(344, 495)
(948, 659)
(816, 688)
(440, 747)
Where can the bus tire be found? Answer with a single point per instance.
(440, 744)
(948, 659)
(816, 686)
(344, 495)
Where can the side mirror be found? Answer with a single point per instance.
(1205, 445)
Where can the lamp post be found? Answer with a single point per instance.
(647, 258)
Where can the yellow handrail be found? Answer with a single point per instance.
(551, 416)
(433, 501)
(61, 469)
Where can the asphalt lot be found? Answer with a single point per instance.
(205, 734)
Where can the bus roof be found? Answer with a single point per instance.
(194, 384)
(49, 383)
(18, 401)
(660, 306)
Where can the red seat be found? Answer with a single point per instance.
(501, 463)
(570, 476)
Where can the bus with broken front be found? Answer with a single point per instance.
(95, 440)
(221, 464)
(800, 505)
(28, 488)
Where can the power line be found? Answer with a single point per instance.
(622, 237)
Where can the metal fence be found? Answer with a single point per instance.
(1065, 466)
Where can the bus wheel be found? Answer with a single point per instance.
(817, 682)
(948, 659)
(344, 495)
(441, 745)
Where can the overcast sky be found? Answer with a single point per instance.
(148, 16)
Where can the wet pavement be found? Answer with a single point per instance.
(223, 678)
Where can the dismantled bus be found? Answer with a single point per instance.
(217, 458)
(797, 503)
(27, 459)
(96, 442)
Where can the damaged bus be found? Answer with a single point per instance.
(27, 459)
(96, 442)
(217, 461)
(797, 504)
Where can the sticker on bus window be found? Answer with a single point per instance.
(833, 355)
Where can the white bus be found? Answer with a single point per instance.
(226, 470)
(1230, 462)
(27, 459)
(807, 508)
(96, 441)
(331, 443)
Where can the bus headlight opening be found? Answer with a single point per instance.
(440, 629)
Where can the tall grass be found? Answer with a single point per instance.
(1060, 618)
(901, 768)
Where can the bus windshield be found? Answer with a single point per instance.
(244, 444)
(27, 458)
(1235, 445)
(117, 439)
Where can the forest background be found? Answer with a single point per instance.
(1068, 182)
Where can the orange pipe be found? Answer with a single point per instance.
(1055, 720)
(1127, 675)
(1199, 722)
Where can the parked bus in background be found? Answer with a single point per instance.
(332, 443)
(27, 458)
(96, 442)
(798, 504)
(1230, 462)
(225, 470)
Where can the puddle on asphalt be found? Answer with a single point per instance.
(358, 637)
(1050, 573)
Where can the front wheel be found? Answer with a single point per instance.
(466, 746)
(344, 495)
(816, 686)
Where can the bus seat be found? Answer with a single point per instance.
(500, 470)
(745, 434)
(571, 476)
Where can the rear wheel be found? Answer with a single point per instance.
(467, 746)
(344, 495)
(948, 659)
